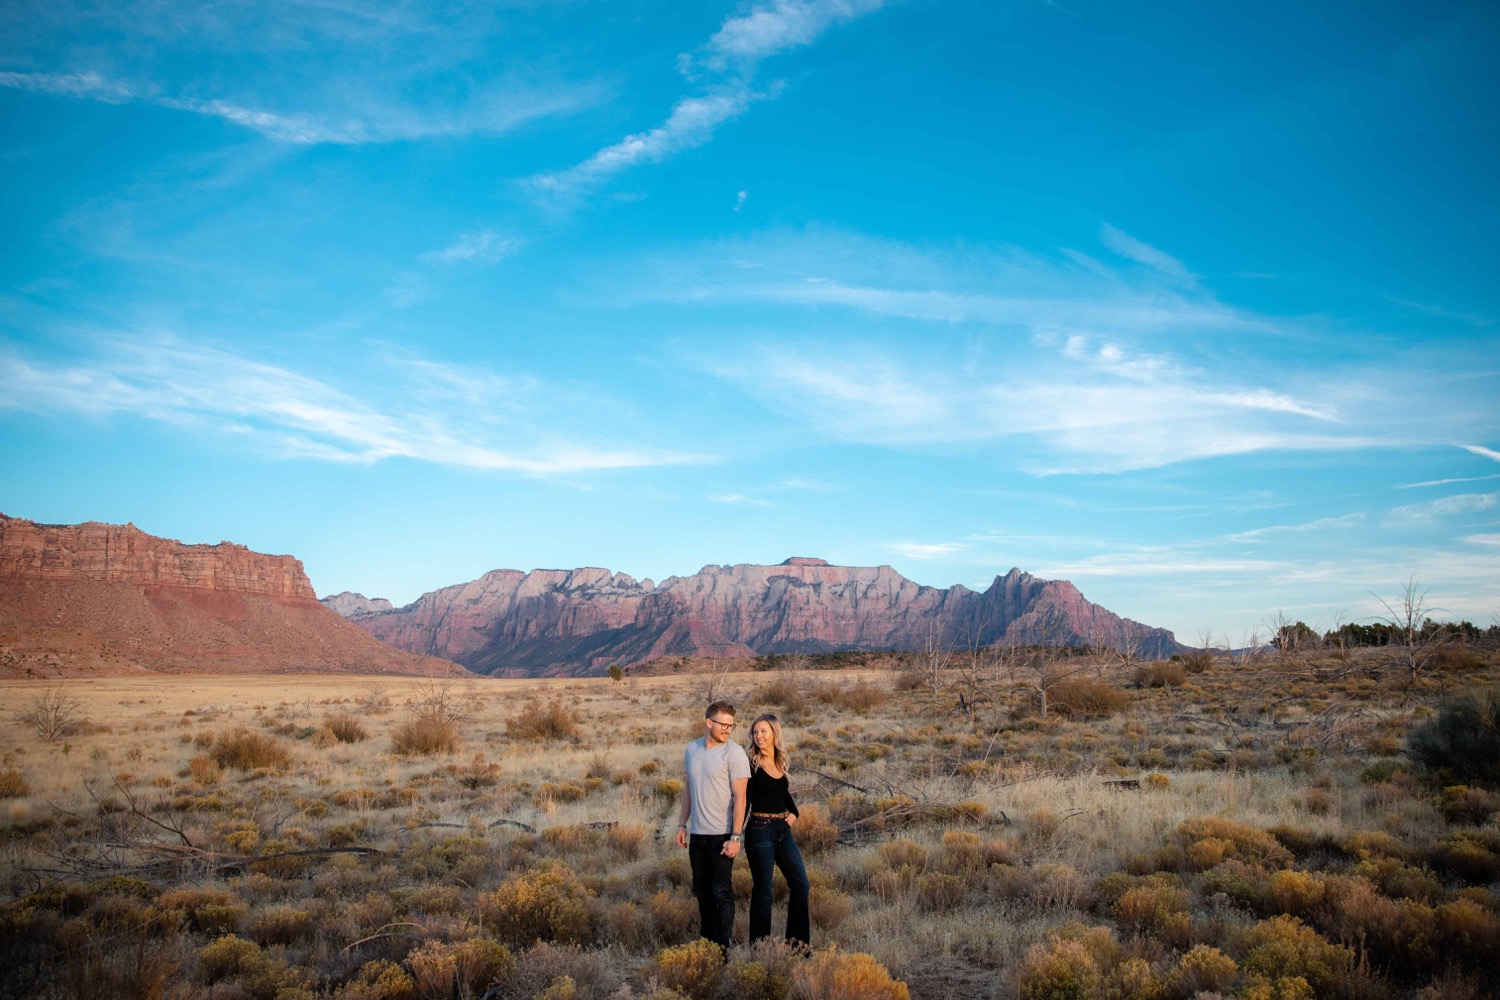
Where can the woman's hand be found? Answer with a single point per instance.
(791, 819)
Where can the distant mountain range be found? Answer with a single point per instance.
(92, 599)
(568, 622)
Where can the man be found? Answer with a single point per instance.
(712, 818)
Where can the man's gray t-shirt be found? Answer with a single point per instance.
(709, 777)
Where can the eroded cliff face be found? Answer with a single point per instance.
(578, 621)
(100, 599)
(123, 553)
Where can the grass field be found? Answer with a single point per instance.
(1247, 830)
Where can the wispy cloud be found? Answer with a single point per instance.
(740, 500)
(1481, 451)
(427, 414)
(1447, 482)
(1078, 365)
(731, 56)
(691, 123)
(1320, 525)
(1450, 506)
(484, 247)
(769, 29)
(89, 85)
(383, 124)
(1144, 253)
(926, 550)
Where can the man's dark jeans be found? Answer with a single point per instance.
(713, 884)
(768, 843)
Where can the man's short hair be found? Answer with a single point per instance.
(719, 706)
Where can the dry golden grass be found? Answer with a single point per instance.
(1236, 833)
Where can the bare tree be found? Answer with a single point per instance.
(975, 667)
(1410, 621)
(933, 658)
(53, 715)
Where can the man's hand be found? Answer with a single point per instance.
(730, 849)
(682, 836)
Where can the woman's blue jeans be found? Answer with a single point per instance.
(769, 845)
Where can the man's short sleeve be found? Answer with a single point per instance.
(739, 763)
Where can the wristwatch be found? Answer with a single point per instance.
(737, 837)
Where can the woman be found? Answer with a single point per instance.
(768, 835)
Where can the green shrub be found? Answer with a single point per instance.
(1461, 743)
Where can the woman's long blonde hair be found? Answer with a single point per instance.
(778, 749)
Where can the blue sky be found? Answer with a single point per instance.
(1194, 305)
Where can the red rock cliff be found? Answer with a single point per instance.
(123, 553)
(101, 599)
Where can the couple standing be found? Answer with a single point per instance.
(725, 789)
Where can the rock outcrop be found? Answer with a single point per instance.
(352, 605)
(578, 621)
(101, 599)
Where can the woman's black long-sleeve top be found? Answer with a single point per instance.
(766, 794)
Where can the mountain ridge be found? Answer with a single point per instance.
(568, 622)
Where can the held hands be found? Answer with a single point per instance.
(730, 849)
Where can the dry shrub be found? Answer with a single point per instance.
(860, 697)
(244, 750)
(13, 784)
(1157, 907)
(381, 979)
(1203, 970)
(828, 907)
(1163, 673)
(673, 915)
(1295, 892)
(209, 911)
(784, 691)
(1208, 840)
(1058, 970)
(939, 891)
(693, 969)
(205, 771)
(478, 773)
(627, 840)
(1473, 857)
(465, 970)
(548, 903)
(423, 736)
(1284, 947)
(1086, 698)
(902, 853)
(1135, 979)
(1462, 804)
(281, 925)
(1467, 929)
(761, 971)
(834, 975)
(815, 832)
(552, 721)
(346, 728)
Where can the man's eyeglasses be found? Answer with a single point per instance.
(722, 725)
